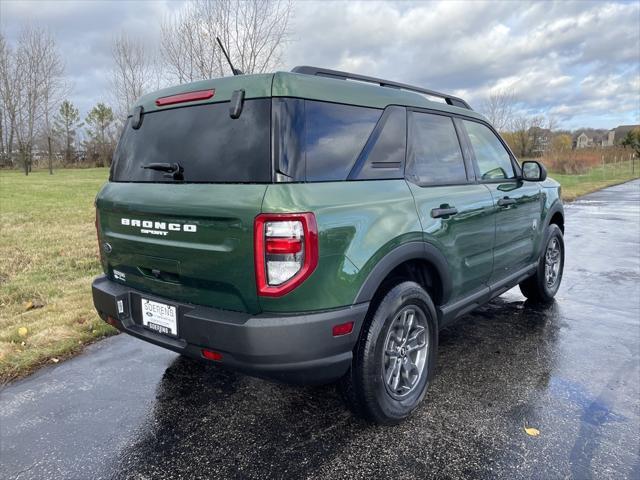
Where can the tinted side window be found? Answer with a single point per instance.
(335, 135)
(492, 159)
(288, 136)
(383, 155)
(434, 150)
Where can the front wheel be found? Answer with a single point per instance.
(395, 357)
(544, 284)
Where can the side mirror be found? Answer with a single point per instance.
(533, 171)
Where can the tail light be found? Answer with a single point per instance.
(286, 251)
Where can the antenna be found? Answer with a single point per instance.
(233, 69)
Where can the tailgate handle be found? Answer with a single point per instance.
(160, 275)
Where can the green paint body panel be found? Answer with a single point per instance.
(212, 266)
(358, 224)
(465, 239)
(517, 226)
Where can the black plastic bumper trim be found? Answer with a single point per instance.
(295, 348)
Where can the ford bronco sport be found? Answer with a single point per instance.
(317, 226)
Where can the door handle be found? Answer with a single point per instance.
(506, 201)
(443, 212)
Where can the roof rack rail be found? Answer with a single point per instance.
(325, 72)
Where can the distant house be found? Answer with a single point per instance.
(611, 135)
(601, 138)
(616, 136)
(590, 139)
(583, 141)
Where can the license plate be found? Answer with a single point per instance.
(159, 317)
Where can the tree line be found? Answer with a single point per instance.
(522, 131)
(35, 118)
(530, 135)
(38, 120)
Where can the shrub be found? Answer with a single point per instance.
(582, 160)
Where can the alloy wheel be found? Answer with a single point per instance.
(552, 263)
(405, 354)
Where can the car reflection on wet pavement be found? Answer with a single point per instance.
(126, 409)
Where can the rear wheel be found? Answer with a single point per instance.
(395, 356)
(544, 284)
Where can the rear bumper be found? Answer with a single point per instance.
(297, 348)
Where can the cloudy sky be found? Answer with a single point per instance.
(576, 61)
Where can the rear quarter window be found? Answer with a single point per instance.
(203, 139)
(319, 141)
(384, 154)
(335, 135)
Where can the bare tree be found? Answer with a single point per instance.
(3, 149)
(499, 108)
(31, 83)
(53, 90)
(187, 48)
(28, 55)
(133, 72)
(525, 134)
(9, 98)
(252, 31)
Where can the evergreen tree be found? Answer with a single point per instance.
(65, 126)
(100, 130)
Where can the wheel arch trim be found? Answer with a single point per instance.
(399, 255)
(556, 207)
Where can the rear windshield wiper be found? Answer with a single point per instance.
(175, 169)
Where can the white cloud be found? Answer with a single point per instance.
(542, 50)
(577, 60)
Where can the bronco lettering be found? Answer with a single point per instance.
(158, 228)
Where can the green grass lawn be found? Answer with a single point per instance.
(574, 185)
(49, 255)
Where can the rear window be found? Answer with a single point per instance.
(204, 140)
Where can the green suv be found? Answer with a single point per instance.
(316, 226)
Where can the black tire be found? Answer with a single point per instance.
(364, 387)
(536, 288)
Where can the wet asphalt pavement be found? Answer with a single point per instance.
(126, 409)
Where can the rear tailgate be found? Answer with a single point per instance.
(187, 242)
(187, 182)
